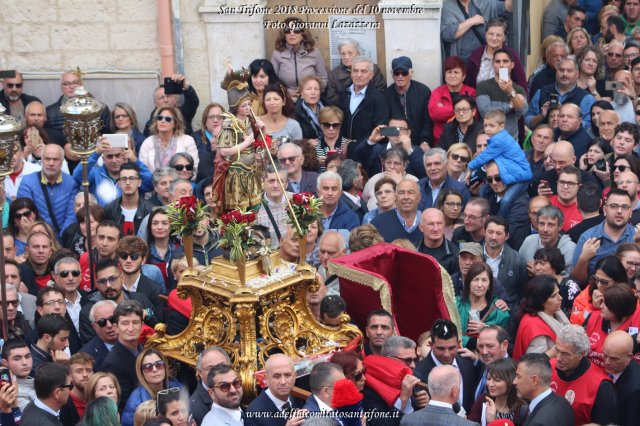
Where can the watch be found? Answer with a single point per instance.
(513, 94)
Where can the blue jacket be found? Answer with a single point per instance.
(343, 218)
(102, 185)
(137, 397)
(425, 191)
(506, 152)
(61, 194)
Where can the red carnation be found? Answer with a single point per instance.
(251, 217)
(297, 198)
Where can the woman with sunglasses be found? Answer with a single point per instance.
(152, 371)
(207, 138)
(608, 271)
(308, 107)
(167, 138)
(458, 156)
(124, 120)
(22, 214)
(351, 366)
(296, 57)
(262, 74)
(464, 128)
(174, 406)
(332, 141)
(182, 163)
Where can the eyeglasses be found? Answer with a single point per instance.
(12, 85)
(128, 179)
(149, 366)
(214, 117)
(65, 274)
(290, 30)
(226, 386)
(112, 156)
(462, 110)
(600, 282)
(408, 361)
(13, 303)
(630, 55)
(358, 375)
(25, 213)
(69, 386)
(111, 280)
(492, 179)
(614, 55)
(166, 118)
(182, 167)
(119, 116)
(638, 112)
(393, 163)
(399, 72)
(71, 83)
(619, 168)
(102, 322)
(124, 256)
(567, 183)
(540, 262)
(53, 302)
(288, 159)
(470, 217)
(453, 205)
(331, 125)
(628, 182)
(623, 207)
(456, 157)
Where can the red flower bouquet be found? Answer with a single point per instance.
(306, 209)
(185, 215)
(236, 235)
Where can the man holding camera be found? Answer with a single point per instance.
(169, 94)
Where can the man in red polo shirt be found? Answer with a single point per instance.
(569, 181)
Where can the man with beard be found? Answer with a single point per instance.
(81, 369)
(53, 340)
(103, 323)
(403, 221)
(569, 181)
(35, 271)
(225, 389)
(556, 51)
(109, 282)
(13, 98)
(603, 240)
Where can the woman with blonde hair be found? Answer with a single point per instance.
(577, 39)
(207, 138)
(102, 384)
(458, 156)
(45, 228)
(125, 120)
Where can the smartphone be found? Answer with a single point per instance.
(118, 140)
(5, 376)
(613, 86)
(544, 183)
(390, 131)
(171, 87)
(553, 99)
(503, 73)
(8, 74)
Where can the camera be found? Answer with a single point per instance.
(477, 175)
(601, 165)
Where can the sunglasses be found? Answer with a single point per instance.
(331, 125)
(226, 387)
(12, 85)
(293, 30)
(492, 179)
(614, 55)
(125, 256)
(456, 157)
(620, 168)
(287, 159)
(165, 118)
(65, 274)
(402, 73)
(69, 386)
(149, 366)
(26, 213)
(407, 361)
(102, 322)
(358, 375)
(182, 167)
(13, 303)
(111, 280)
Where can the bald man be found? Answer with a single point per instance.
(607, 122)
(434, 243)
(625, 373)
(13, 98)
(570, 128)
(280, 378)
(35, 120)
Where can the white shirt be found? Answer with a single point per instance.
(440, 404)
(44, 407)
(209, 419)
(356, 98)
(73, 308)
(134, 286)
(494, 264)
(278, 402)
(353, 198)
(11, 188)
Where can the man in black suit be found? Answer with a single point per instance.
(352, 185)
(53, 386)
(275, 403)
(321, 381)
(291, 158)
(625, 373)
(546, 408)
(121, 361)
(200, 401)
(103, 323)
(444, 351)
(51, 300)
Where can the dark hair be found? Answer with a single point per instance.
(589, 197)
(132, 244)
(444, 193)
(497, 22)
(443, 329)
(551, 108)
(150, 238)
(384, 180)
(52, 324)
(620, 300)
(107, 263)
(49, 377)
(614, 269)
(603, 105)
(502, 335)
(505, 369)
(216, 370)
(554, 256)
(321, 375)
(396, 151)
(332, 305)
(335, 155)
(453, 62)
(267, 67)
(498, 220)
(476, 269)
(348, 360)
(540, 363)
(107, 223)
(127, 307)
(19, 204)
(635, 62)
(537, 291)
(629, 128)
(634, 163)
(307, 40)
(289, 108)
(157, 421)
(130, 166)
(46, 290)
(505, 51)
(601, 143)
(11, 344)
(310, 161)
(95, 210)
(617, 191)
(616, 21)
(379, 313)
(576, 9)
(456, 98)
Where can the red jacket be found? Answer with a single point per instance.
(531, 326)
(441, 108)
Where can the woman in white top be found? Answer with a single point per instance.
(167, 138)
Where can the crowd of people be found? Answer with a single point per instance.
(523, 188)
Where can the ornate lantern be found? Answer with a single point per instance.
(82, 122)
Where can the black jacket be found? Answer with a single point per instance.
(553, 410)
(113, 211)
(263, 404)
(200, 403)
(122, 363)
(371, 112)
(628, 390)
(415, 112)
(359, 210)
(370, 156)
(152, 290)
(26, 100)
(450, 135)
(98, 350)
(309, 131)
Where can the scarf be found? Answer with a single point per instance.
(313, 117)
(555, 322)
(163, 155)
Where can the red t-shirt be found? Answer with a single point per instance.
(80, 404)
(127, 228)
(42, 280)
(571, 213)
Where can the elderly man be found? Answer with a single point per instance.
(207, 360)
(614, 59)
(335, 212)
(162, 179)
(435, 164)
(289, 246)
(398, 352)
(321, 381)
(18, 325)
(332, 245)
(188, 106)
(280, 378)
(66, 276)
(14, 99)
(571, 129)
(492, 345)
(352, 186)
(541, 138)
(607, 123)
(546, 407)
(225, 392)
(623, 99)
(407, 98)
(403, 221)
(364, 107)
(625, 374)
(475, 215)
(291, 158)
(102, 322)
(590, 391)
(433, 241)
(273, 210)
(562, 155)
(546, 74)
(566, 90)
(19, 169)
(51, 190)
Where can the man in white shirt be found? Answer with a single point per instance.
(225, 389)
(321, 381)
(66, 276)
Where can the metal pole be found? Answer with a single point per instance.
(3, 282)
(84, 159)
